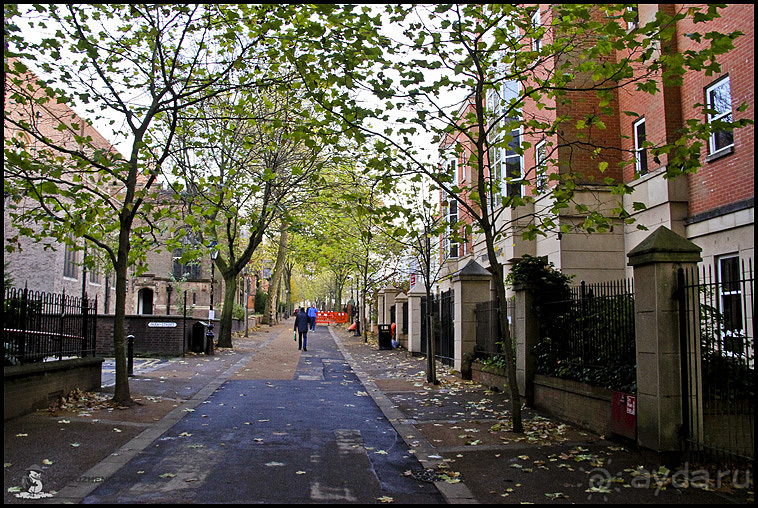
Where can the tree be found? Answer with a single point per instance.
(139, 65)
(276, 276)
(470, 72)
(420, 223)
(248, 160)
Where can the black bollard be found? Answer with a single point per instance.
(130, 355)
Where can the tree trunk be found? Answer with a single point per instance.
(287, 277)
(273, 289)
(121, 390)
(230, 293)
(497, 271)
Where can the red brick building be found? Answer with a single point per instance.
(713, 207)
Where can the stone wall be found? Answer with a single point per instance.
(588, 407)
(585, 406)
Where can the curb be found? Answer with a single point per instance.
(454, 493)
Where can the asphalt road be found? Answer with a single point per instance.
(315, 438)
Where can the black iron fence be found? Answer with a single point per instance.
(590, 337)
(39, 326)
(488, 336)
(718, 360)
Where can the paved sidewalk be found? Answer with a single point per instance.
(460, 429)
(457, 431)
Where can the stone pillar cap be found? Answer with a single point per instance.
(472, 270)
(663, 245)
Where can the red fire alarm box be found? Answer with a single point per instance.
(624, 414)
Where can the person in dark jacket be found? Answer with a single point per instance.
(301, 327)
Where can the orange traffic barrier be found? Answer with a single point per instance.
(328, 318)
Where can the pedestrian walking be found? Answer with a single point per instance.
(312, 313)
(302, 322)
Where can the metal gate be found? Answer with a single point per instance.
(446, 351)
(442, 326)
(718, 360)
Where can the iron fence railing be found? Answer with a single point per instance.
(39, 326)
(488, 336)
(718, 361)
(590, 336)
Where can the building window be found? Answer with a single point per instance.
(452, 214)
(730, 297)
(70, 268)
(640, 152)
(452, 167)
(540, 166)
(633, 17)
(719, 103)
(536, 24)
(190, 270)
(513, 166)
(94, 277)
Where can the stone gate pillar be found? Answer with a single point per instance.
(471, 285)
(415, 294)
(659, 369)
(527, 334)
(384, 315)
(400, 299)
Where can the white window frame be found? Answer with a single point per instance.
(631, 25)
(725, 81)
(504, 174)
(640, 152)
(721, 282)
(536, 24)
(452, 219)
(540, 166)
(452, 167)
(496, 163)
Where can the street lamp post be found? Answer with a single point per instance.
(211, 314)
(169, 289)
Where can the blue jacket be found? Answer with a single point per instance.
(301, 322)
(312, 311)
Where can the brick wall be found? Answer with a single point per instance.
(723, 181)
(148, 340)
(27, 388)
(731, 178)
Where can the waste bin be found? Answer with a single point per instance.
(197, 341)
(385, 337)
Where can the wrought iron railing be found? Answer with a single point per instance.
(38, 326)
(590, 337)
(718, 361)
